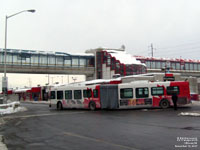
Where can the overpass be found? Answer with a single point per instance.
(186, 67)
(185, 73)
(41, 62)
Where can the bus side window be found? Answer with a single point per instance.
(77, 94)
(53, 95)
(68, 94)
(59, 94)
(142, 92)
(95, 93)
(157, 91)
(87, 93)
(126, 93)
(172, 90)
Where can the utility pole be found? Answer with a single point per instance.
(152, 49)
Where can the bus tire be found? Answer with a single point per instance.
(92, 105)
(59, 106)
(164, 104)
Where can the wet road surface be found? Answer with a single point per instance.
(41, 128)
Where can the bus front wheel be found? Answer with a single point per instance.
(92, 105)
(59, 106)
(164, 103)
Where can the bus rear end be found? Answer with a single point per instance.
(183, 92)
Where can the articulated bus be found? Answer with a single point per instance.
(137, 94)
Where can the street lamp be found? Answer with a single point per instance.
(48, 79)
(5, 79)
(74, 78)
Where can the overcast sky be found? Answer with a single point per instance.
(173, 26)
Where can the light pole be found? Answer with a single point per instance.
(68, 79)
(52, 79)
(5, 79)
(62, 79)
(74, 78)
(48, 79)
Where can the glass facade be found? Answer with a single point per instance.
(34, 58)
(67, 61)
(175, 65)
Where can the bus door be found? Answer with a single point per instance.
(109, 96)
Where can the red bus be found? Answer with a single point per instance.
(120, 96)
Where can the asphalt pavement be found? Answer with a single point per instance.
(41, 128)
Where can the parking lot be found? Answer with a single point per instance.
(141, 129)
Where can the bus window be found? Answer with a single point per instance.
(142, 92)
(59, 94)
(95, 93)
(126, 93)
(87, 93)
(157, 91)
(68, 94)
(172, 90)
(53, 95)
(77, 94)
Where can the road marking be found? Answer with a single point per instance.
(41, 115)
(98, 140)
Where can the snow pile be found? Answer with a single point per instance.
(196, 103)
(123, 57)
(2, 145)
(195, 114)
(10, 108)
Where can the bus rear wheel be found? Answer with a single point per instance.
(164, 104)
(92, 105)
(59, 106)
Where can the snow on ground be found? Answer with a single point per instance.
(11, 108)
(195, 102)
(195, 114)
(2, 145)
(192, 113)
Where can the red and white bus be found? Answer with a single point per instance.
(120, 96)
(73, 96)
